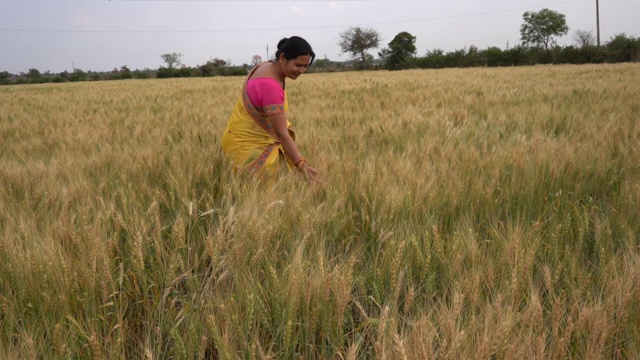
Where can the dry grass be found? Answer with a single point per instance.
(477, 213)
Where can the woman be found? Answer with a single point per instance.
(258, 137)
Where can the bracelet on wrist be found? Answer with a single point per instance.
(298, 163)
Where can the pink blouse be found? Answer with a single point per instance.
(266, 93)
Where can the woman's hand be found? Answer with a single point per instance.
(279, 123)
(310, 173)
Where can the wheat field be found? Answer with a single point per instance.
(486, 213)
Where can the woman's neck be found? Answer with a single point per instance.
(279, 74)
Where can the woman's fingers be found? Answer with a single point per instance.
(311, 173)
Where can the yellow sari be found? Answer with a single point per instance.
(250, 141)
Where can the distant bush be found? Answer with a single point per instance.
(208, 69)
(4, 77)
(164, 73)
(623, 48)
(620, 48)
(125, 76)
(238, 71)
(142, 74)
(77, 75)
(182, 72)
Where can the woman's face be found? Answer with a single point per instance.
(295, 67)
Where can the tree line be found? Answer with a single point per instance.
(539, 34)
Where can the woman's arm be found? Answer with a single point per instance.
(279, 124)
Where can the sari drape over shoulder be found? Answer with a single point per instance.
(249, 140)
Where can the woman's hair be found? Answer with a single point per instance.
(293, 47)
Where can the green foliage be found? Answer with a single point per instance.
(142, 74)
(208, 69)
(494, 56)
(78, 75)
(125, 73)
(356, 41)
(321, 63)
(399, 55)
(326, 65)
(99, 76)
(164, 73)
(4, 78)
(515, 56)
(541, 28)
(34, 76)
(219, 67)
(172, 59)
(587, 54)
(238, 71)
(182, 72)
(400, 51)
(624, 48)
(434, 59)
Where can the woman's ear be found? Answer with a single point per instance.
(281, 58)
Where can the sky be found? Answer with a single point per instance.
(100, 35)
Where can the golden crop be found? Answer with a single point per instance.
(463, 213)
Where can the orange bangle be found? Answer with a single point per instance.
(298, 163)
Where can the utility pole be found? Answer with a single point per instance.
(268, 53)
(598, 20)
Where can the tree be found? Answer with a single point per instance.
(493, 56)
(34, 76)
(256, 60)
(219, 62)
(584, 38)
(172, 59)
(207, 69)
(4, 77)
(434, 59)
(540, 28)
(624, 48)
(125, 73)
(356, 41)
(400, 50)
(78, 75)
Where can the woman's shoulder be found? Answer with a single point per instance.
(264, 70)
(264, 76)
(264, 81)
(264, 85)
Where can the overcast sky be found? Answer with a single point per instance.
(100, 35)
